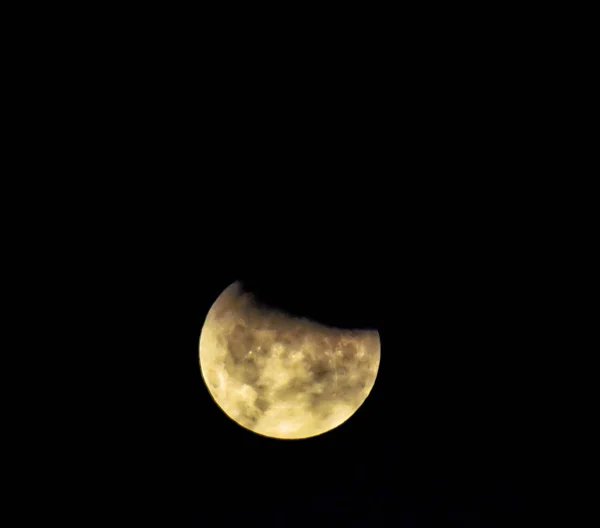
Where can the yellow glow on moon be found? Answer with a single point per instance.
(280, 376)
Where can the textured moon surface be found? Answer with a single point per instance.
(282, 376)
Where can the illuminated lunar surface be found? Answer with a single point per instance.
(280, 376)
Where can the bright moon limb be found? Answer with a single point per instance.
(280, 376)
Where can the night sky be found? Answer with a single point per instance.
(394, 182)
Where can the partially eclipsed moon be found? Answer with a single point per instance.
(280, 376)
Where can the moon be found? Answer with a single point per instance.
(283, 376)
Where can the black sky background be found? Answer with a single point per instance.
(414, 213)
(418, 173)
